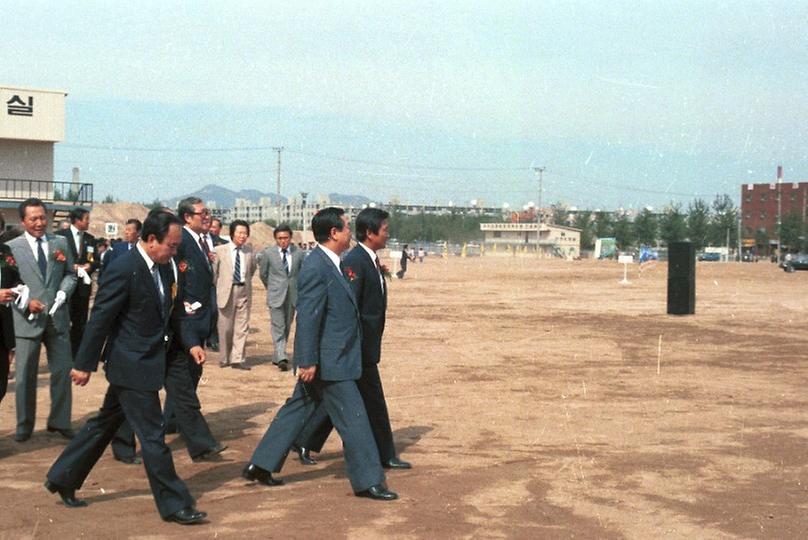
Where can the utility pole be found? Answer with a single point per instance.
(539, 170)
(303, 196)
(278, 149)
(779, 216)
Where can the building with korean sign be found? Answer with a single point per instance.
(31, 122)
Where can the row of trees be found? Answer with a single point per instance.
(701, 223)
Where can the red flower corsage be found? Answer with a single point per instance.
(9, 260)
(59, 256)
(212, 256)
(350, 274)
(182, 267)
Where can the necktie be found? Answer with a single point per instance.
(237, 267)
(203, 243)
(379, 270)
(40, 258)
(285, 262)
(160, 293)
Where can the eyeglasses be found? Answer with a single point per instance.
(205, 212)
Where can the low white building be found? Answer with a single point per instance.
(551, 240)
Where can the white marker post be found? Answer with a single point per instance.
(625, 260)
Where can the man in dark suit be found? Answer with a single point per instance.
(197, 318)
(131, 233)
(328, 358)
(216, 233)
(364, 273)
(82, 246)
(129, 328)
(9, 277)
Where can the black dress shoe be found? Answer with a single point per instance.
(395, 463)
(283, 365)
(211, 454)
(187, 516)
(68, 495)
(304, 455)
(379, 493)
(67, 433)
(240, 365)
(22, 437)
(254, 473)
(134, 460)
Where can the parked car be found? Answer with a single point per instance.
(796, 262)
(709, 256)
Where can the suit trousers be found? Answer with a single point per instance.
(183, 403)
(319, 427)
(234, 325)
(343, 404)
(60, 362)
(123, 443)
(142, 410)
(79, 305)
(281, 323)
(3, 372)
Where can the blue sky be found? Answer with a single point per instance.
(626, 104)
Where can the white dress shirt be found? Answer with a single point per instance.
(375, 259)
(331, 255)
(32, 242)
(240, 255)
(76, 238)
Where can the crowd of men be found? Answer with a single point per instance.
(170, 288)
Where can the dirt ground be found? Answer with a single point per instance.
(536, 399)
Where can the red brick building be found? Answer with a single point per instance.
(761, 204)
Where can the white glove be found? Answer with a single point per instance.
(23, 292)
(60, 299)
(82, 273)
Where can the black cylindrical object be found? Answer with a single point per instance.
(681, 278)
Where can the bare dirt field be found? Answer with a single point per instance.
(536, 399)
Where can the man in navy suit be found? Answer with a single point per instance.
(131, 233)
(197, 319)
(129, 329)
(364, 273)
(328, 358)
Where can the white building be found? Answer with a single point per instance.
(551, 241)
(31, 123)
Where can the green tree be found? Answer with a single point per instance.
(646, 228)
(624, 232)
(583, 221)
(791, 231)
(698, 222)
(560, 213)
(109, 199)
(724, 219)
(604, 225)
(156, 203)
(672, 225)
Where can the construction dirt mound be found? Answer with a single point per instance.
(117, 213)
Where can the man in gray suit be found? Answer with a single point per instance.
(45, 265)
(279, 267)
(328, 357)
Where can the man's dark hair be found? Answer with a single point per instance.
(33, 201)
(370, 219)
(186, 206)
(324, 220)
(235, 223)
(157, 224)
(136, 222)
(283, 227)
(77, 214)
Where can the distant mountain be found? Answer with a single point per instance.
(225, 198)
(349, 200)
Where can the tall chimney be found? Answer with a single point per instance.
(779, 174)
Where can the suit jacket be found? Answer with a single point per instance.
(129, 328)
(273, 275)
(116, 250)
(328, 332)
(218, 240)
(198, 286)
(58, 277)
(9, 277)
(223, 272)
(360, 271)
(87, 253)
